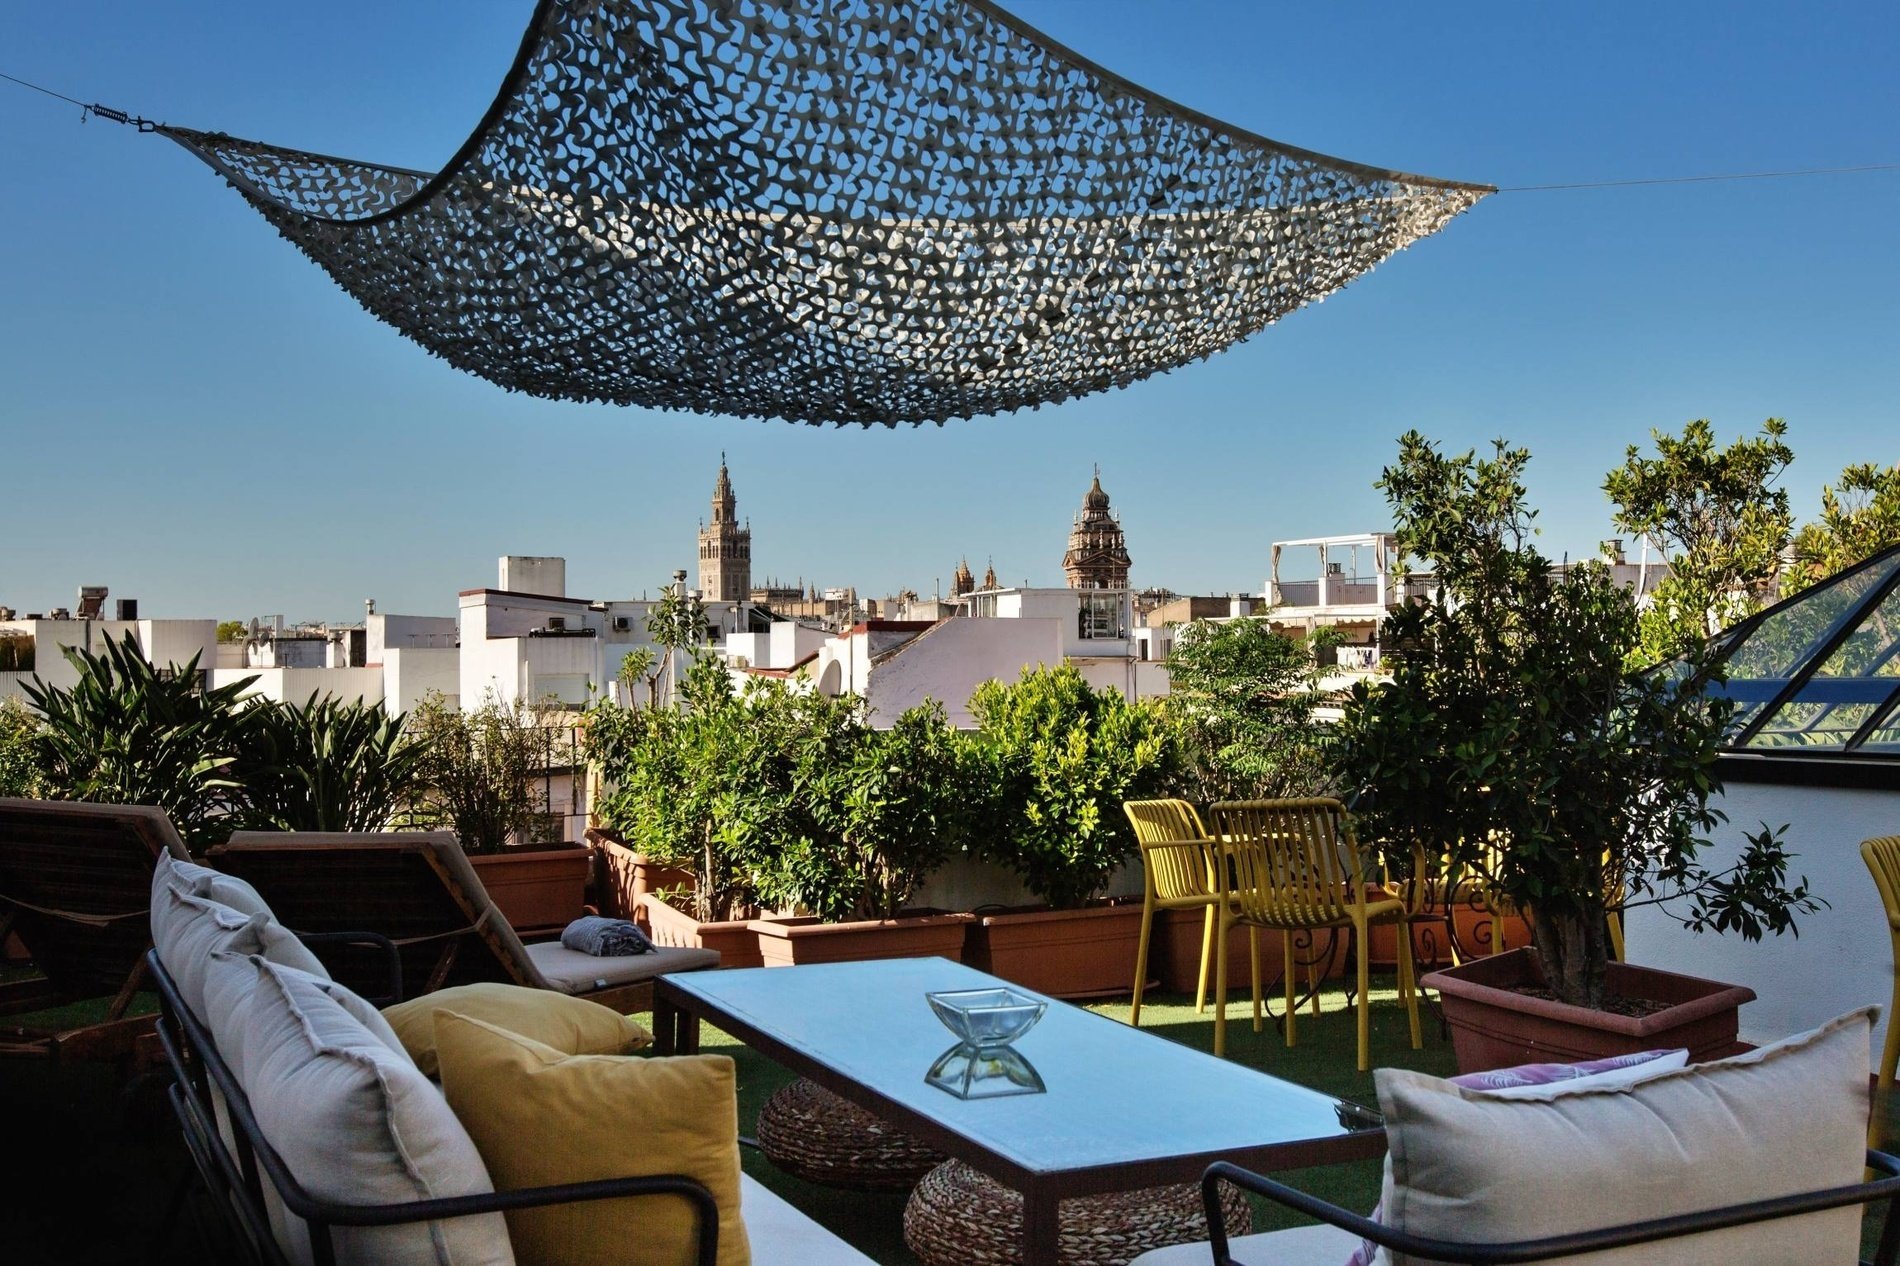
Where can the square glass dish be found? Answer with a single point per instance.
(983, 1018)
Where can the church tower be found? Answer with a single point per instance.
(725, 548)
(1097, 557)
(961, 581)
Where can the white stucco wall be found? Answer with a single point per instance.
(950, 659)
(384, 633)
(1842, 958)
(296, 685)
(411, 672)
(167, 643)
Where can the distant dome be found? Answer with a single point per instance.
(1095, 498)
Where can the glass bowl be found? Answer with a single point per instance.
(986, 1017)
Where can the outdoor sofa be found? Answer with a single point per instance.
(322, 1140)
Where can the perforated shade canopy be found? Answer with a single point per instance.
(871, 211)
(1820, 672)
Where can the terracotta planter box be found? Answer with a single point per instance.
(1174, 953)
(626, 876)
(787, 942)
(1492, 1027)
(1063, 953)
(737, 943)
(539, 888)
(1428, 939)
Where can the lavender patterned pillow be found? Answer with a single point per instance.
(1529, 1081)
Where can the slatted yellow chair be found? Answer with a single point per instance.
(1882, 855)
(1177, 866)
(1292, 865)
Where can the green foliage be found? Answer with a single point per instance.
(19, 757)
(1242, 698)
(478, 770)
(130, 733)
(325, 766)
(1860, 517)
(1716, 516)
(889, 807)
(1511, 741)
(706, 785)
(1062, 757)
(231, 630)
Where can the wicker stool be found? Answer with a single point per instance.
(960, 1217)
(812, 1134)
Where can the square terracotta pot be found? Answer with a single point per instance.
(539, 888)
(737, 943)
(787, 942)
(1085, 953)
(1494, 1027)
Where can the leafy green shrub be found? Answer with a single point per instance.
(706, 785)
(884, 808)
(1242, 697)
(19, 754)
(477, 770)
(130, 733)
(1062, 757)
(326, 766)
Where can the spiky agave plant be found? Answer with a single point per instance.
(129, 732)
(326, 765)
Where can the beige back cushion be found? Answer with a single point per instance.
(1470, 1167)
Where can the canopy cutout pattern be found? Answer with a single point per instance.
(871, 211)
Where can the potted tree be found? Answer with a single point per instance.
(877, 811)
(478, 772)
(1061, 757)
(701, 786)
(1510, 741)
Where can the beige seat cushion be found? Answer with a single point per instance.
(202, 881)
(571, 971)
(782, 1236)
(1791, 1117)
(1297, 1246)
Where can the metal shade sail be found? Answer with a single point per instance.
(830, 211)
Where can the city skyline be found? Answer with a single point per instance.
(198, 418)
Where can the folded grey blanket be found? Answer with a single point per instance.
(605, 938)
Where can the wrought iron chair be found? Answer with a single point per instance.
(1294, 865)
(1177, 865)
(1882, 855)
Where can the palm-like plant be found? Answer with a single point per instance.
(326, 765)
(128, 732)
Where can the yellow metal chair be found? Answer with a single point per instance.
(1292, 865)
(1882, 856)
(1177, 866)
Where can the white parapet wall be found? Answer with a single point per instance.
(1842, 957)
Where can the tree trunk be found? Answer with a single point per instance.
(1573, 946)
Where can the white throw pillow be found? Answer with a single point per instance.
(357, 1123)
(1473, 1167)
(187, 930)
(202, 881)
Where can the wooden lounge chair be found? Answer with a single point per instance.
(76, 888)
(418, 889)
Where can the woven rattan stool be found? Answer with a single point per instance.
(812, 1134)
(960, 1217)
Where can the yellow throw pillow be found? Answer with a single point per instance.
(572, 1026)
(539, 1117)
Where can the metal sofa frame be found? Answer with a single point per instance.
(234, 1173)
(1557, 1245)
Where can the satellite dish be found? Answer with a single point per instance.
(254, 626)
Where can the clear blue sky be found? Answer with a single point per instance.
(193, 414)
